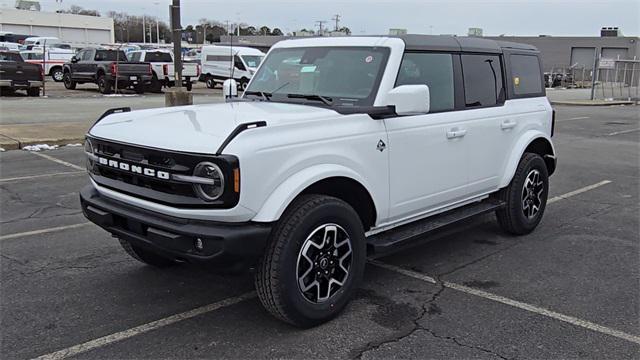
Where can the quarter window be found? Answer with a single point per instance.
(482, 80)
(433, 70)
(525, 75)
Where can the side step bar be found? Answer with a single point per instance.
(388, 240)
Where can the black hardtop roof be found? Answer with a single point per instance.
(459, 43)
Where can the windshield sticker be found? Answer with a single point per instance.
(368, 59)
(308, 69)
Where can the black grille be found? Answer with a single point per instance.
(165, 191)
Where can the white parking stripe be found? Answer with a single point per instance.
(517, 304)
(623, 132)
(578, 191)
(43, 231)
(61, 162)
(42, 176)
(575, 118)
(122, 335)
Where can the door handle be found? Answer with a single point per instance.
(456, 133)
(508, 124)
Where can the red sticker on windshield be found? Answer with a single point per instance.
(368, 59)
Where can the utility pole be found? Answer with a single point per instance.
(156, 3)
(177, 96)
(144, 29)
(336, 18)
(320, 23)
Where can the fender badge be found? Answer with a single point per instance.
(381, 146)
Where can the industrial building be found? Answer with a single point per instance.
(77, 30)
(558, 52)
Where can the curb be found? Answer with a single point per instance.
(11, 144)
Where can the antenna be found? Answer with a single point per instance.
(336, 18)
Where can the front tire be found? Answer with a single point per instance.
(69, 84)
(145, 256)
(57, 74)
(211, 84)
(525, 197)
(314, 261)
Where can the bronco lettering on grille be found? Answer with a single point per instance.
(134, 168)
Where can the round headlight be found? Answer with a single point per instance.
(209, 171)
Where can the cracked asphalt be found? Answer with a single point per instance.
(62, 288)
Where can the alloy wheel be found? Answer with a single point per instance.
(324, 262)
(532, 194)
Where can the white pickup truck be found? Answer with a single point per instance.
(338, 148)
(164, 70)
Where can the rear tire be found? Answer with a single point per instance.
(525, 197)
(290, 285)
(189, 85)
(139, 89)
(156, 86)
(145, 256)
(69, 84)
(104, 86)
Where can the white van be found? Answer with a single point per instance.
(40, 40)
(216, 64)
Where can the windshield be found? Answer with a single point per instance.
(158, 57)
(252, 61)
(110, 55)
(347, 76)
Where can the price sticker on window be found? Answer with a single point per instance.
(516, 81)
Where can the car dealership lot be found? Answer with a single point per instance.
(570, 289)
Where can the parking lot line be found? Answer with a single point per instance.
(575, 118)
(515, 303)
(122, 335)
(623, 132)
(578, 191)
(56, 160)
(43, 231)
(42, 176)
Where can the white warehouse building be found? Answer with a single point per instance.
(77, 30)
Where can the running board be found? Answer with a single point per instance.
(388, 240)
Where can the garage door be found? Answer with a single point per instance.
(582, 57)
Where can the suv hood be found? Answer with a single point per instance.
(198, 128)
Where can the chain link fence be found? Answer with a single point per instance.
(617, 79)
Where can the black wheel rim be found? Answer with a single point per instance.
(324, 262)
(532, 194)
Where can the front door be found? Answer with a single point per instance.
(428, 153)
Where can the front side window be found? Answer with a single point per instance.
(482, 80)
(343, 76)
(434, 70)
(238, 63)
(525, 75)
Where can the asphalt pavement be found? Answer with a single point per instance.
(571, 289)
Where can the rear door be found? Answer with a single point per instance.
(491, 124)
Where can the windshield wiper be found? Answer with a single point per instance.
(264, 95)
(325, 99)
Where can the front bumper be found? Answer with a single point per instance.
(222, 243)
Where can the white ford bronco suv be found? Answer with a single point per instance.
(339, 148)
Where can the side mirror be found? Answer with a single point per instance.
(410, 99)
(74, 59)
(230, 89)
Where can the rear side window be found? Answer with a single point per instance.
(483, 84)
(525, 75)
(433, 70)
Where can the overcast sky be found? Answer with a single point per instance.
(514, 17)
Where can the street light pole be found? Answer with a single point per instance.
(157, 25)
(144, 28)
